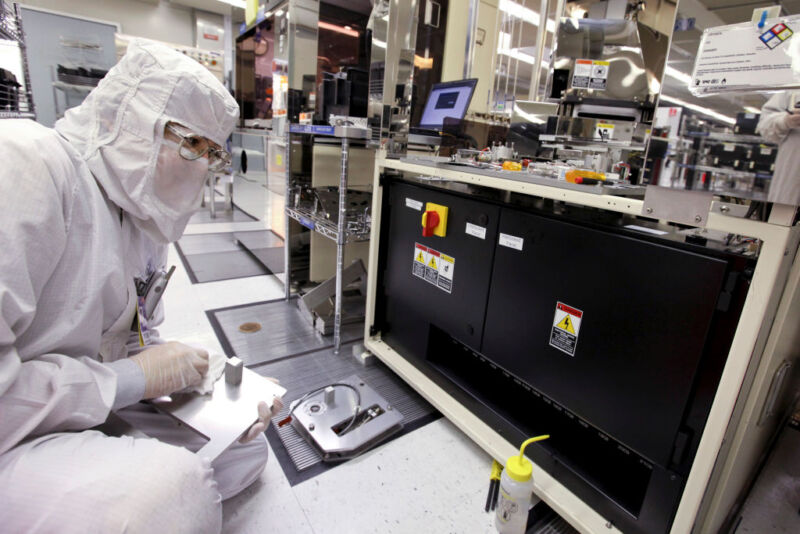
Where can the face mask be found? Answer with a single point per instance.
(178, 182)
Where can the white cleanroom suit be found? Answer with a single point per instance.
(84, 210)
(780, 124)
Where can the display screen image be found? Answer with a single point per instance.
(447, 100)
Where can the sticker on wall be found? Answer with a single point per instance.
(566, 328)
(434, 267)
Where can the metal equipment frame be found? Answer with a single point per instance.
(11, 29)
(735, 433)
(313, 222)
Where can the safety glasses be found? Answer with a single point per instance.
(194, 146)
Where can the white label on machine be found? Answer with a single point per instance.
(475, 230)
(766, 151)
(420, 260)
(566, 328)
(447, 266)
(413, 204)
(511, 241)
(743, 57)
(589, 74)
(645, 229)
(603, 131)
(728, 147)
(434, 267)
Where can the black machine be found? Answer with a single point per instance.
(345, 93)
(558, 320)
(746, 123)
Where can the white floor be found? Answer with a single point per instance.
(431, 480)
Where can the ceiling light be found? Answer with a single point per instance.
(521, 12)
(699, 109)
(339, 29)
(241, 4)
(678, 75)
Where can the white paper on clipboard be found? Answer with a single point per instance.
(744, 57)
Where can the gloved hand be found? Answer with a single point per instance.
(792, 120)
(264, 416)
(171, 367)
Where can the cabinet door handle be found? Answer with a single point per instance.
(774, 389)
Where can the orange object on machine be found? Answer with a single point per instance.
(512, 166)
(578, 176)
(434, 220)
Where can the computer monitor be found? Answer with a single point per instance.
(448, 99)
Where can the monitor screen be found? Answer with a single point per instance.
(449, 99)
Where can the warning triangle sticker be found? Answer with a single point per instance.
(432, 263)
(566, 325)
(420, 258)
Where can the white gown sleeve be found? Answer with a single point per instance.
(770, 125)
(42, 393)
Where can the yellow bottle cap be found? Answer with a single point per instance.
(520, 468)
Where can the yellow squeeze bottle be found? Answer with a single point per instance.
(516, 490)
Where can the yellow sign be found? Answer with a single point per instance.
(250, 12)
(432, 263)
(566, 325)
(420, 258)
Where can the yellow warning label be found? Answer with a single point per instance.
(420, 258)
(432, 263)
(566, 325)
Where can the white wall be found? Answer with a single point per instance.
(154, 19)
(483, 55)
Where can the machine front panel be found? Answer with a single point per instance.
(611, 326)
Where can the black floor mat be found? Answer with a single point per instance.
(203, 215)
(284, 332)
(267, 248)
(305, 372)
(220, 256)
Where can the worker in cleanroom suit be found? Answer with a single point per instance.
(85, 212)
(780, 124)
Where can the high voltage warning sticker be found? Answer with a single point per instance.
(566, 327)
(433, 267)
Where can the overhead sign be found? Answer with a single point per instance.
(746, 57)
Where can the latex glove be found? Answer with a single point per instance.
(264, 417)
(171, 367)
(792, 120)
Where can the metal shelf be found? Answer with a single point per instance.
(733, 173)
(324, 226)
(17, 115)
(337, 232)
(11, 29)
(341, 132)
(745, 139)
(599, 147)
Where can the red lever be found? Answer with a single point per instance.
(430, 221)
